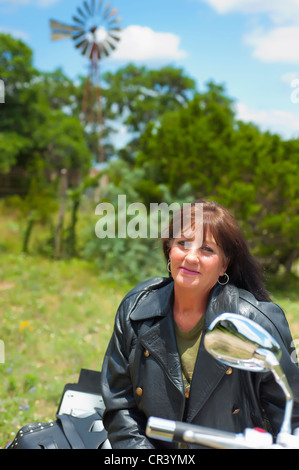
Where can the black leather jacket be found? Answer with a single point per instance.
(141, 374)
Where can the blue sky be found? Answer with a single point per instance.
(250, 46)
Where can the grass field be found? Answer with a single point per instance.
(56, 318)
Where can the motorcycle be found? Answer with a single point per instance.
(238, 342)
(78, 423)
(232, 339)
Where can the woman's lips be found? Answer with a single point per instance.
(189, 271)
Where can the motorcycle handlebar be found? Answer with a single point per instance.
(174, 431)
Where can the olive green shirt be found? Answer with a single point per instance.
(188, 344)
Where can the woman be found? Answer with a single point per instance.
(156, 363)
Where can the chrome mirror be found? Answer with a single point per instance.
(239, 342)
(236, 341)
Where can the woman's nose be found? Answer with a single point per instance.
(192, 255)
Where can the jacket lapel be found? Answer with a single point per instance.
(208, 371)
(160, 341)
(159, 338)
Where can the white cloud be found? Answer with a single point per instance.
(279, 11)
(46, 3)
(289, 77)
(276, 121)
(226, 6)
(142, 43)
(277, 45)
(39, 3)
(15, 2)
(16, 33)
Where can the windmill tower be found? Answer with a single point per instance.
(95, 33)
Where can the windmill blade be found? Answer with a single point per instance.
(79, 35)
(112, 13)
(79, 21)
(115, 38)
(112, 39)
(81, 13)
(58, 36)
(92, 5)
(106, 11)
(85, 48)
(84, 45)
(104, 49)
(87, 7)
(62, 26)
(61, 30)
(114, 21)
(100, 7)
(115, 30)
(111, 44)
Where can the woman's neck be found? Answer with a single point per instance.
(188, 307)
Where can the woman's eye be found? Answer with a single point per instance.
(184, 244)
(208, 249)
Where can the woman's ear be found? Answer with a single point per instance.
(226, 262)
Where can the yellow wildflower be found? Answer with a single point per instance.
(25, 324)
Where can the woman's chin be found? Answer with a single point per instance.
(186, 280)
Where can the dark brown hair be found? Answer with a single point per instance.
(243, 269)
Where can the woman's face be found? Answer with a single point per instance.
(196, 265)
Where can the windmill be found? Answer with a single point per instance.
(95, 33)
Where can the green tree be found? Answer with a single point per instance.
(37, 207)
(142, 95)
(190, 145)
(253, 173)
(40, 130)
(135, 96)
(125, 257)
(16, 70)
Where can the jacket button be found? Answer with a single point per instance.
(139, 391)
(229, 371)
(146, 353)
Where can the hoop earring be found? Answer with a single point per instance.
(226, 282)
(168, 266)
